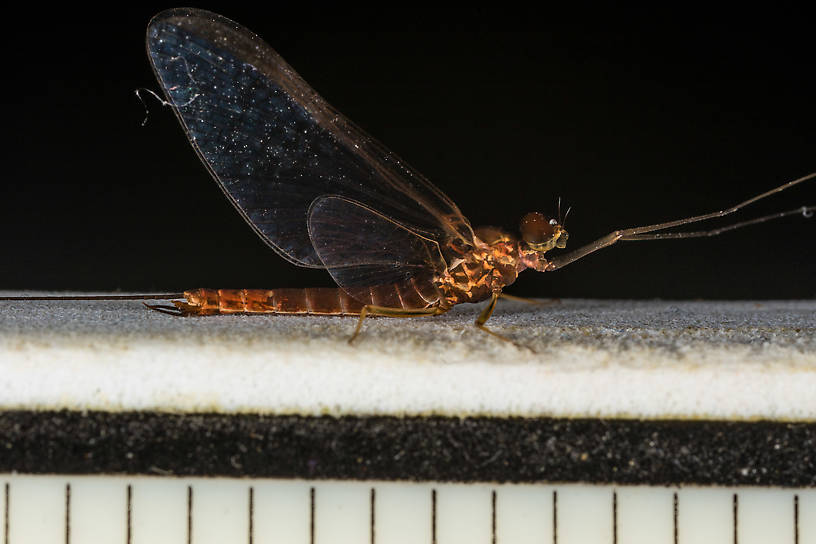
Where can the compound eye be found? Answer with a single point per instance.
(536, 228)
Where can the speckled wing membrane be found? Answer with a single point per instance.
(274, 146)
(393, 266)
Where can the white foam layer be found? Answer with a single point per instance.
(655, 359)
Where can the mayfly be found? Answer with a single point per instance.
(324, 194)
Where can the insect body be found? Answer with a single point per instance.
(324, 194)
(470, 273)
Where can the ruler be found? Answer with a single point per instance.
(161, 510)
(253, 479)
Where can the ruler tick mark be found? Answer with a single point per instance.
(67, 513)
(736, 518)
(676, 508)
(614, 517)
(555, 517)
(311, 515)
(493, 517)
(373, 498)
(433, 516)
(251, 515)
(6, 516)
(129, 514)
(796, 519)
(189, 514)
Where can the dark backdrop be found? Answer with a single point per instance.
(631, 119)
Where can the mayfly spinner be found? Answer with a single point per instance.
(324, 194)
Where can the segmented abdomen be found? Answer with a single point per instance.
(309, 301)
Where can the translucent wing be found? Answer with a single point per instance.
(273, 145)
(375, 259)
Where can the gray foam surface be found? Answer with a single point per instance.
(586, 358)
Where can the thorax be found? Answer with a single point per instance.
(477, 271)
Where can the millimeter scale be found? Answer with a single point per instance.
(146, 428)
(163, 510)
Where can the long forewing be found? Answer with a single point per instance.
(373, 258)
(273, 144)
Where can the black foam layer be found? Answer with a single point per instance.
(417, 448)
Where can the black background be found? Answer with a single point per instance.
(630, 118)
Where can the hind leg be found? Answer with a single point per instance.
(384, 311)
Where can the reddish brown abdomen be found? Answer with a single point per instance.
(310, 301)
